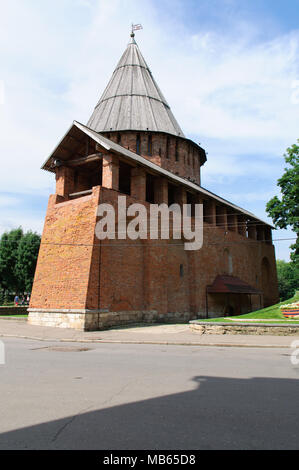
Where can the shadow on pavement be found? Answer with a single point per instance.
(221, 413)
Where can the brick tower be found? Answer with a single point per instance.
(134, 113)
(132, 145)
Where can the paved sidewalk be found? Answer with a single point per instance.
(179, 334)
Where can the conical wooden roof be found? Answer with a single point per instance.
(132, 99)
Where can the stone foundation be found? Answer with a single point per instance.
(90, 320)
(205, 328)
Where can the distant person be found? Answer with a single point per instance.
(28, 299)
(16, 300)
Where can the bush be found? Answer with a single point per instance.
(6, 299)
(288, 279)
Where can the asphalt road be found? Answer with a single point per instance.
(116, 396)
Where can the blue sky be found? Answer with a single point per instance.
(272, 16)
(229, 69)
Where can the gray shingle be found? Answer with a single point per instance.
(132, 99)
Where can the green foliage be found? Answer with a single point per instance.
(8, 257)
(6, 299)
(26, 260)
(285, 211)
(1, 296)
(288, 279)
(18, 256)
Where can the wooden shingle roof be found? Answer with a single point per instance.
(132, 99)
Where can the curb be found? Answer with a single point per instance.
(164, 343)
(236, 324)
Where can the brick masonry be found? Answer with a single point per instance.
(175, 154)
(121, 281)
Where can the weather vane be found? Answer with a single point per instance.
(135, 27)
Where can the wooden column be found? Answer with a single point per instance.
(260, 232)
(138, 183)
(232, 222)
(64, 181)
(252, 231)
(209, 211)
(110, 177)
(268, 235)
(225, 219)
(198, 199)
(242, 225)
(180, 196)
(221, 219)
(161, 191)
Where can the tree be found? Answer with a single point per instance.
(18, 256)
(26, 260)
(6, 299)
(288, 279)
(9, 243)
(285, 211)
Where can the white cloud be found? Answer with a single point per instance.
(229, 88)
(8, 201)
(232, 89)
(242, 91)
(253, 196)
(12, 221)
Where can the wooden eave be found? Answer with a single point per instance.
(73, 146)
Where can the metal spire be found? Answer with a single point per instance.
(135, 27)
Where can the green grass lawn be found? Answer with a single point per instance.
(271, 314)
(13, 316)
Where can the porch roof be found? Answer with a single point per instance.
(226, 284)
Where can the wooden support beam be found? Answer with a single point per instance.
(81, 161)
(81, 193)
(102, 149)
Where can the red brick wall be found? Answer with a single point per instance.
(246, 257)
(64, 261)
(138, 275)
(182, 158)
(146, 274)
